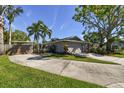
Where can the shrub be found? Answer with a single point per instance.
(35, 48)
(65, 48)
(116, 49)
(101, 50)
(43, 48)
(93, 49)
(52, 49)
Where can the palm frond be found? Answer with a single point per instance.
(39, 30)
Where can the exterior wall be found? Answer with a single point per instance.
(18, 49)
(59, 47)
(72, 47)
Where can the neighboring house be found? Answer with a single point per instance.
(119, 43)
(73, 43)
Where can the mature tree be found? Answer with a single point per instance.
(20, 36)
(2, 14)
(108, 21)
(39, 30)
(12, 12)
(17, 35)
(92, 37)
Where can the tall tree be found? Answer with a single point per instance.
(12, 12)
(39, 30)
(45, 32)
(92, 37)
(108, 21)
(35, 31)
(2, 13)
(17, 35)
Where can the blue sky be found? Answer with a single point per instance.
(58, 18)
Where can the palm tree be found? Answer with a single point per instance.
(39, 30)
(12, 13)
(35, 31)
(2, 12)
(45, 32)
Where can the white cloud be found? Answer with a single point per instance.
(65, 24)
(62, 26)
(54, 19)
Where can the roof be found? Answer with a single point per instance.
(73, 39)
(65, 41)
(67, 38)
(21, 42)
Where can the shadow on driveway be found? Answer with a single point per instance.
(38, 58)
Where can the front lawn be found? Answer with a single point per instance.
(84, 59)
(17, 76)
(120, 55)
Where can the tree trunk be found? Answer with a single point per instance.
(101, 38)
(10, 33)
(108, 47)
(37, 46)
(42, 46)
(1, 36)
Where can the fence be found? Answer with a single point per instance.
(18, 49)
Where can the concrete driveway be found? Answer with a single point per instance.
(106, 58)
(102, 74)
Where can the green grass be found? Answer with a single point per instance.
(17, 76)
(84, 59)
(120, 55)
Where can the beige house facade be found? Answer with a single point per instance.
(74, 46)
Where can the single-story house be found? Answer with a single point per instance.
(73, 43)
